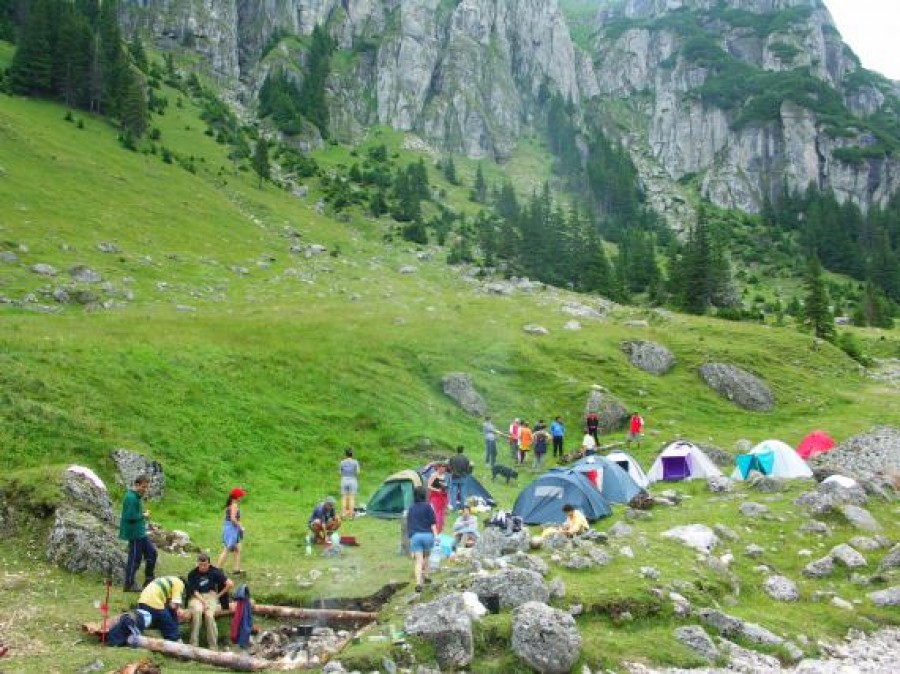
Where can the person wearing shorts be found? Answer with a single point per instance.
(349, 469)
(421, 527)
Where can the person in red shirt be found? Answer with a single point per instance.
(635, 429)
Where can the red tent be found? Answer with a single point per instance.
(817, 442)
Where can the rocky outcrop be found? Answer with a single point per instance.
(545, 638)
(514, 587)
(459, 386)
(446, 625)
(641, 53)
(131, 465)
(612, 413)
(739, 386)
(649, 356)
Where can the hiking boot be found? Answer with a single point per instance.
(134, 587)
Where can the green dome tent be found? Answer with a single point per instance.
(395, 495)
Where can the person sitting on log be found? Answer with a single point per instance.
(206, 584)
(162, 600)
(324, 520)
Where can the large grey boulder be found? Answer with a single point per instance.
(697, 536)
(446, 625)
(649, 356)
(79, 542)
(888, 597)
(847, 557)
(525, 561)
(891, 559)
(496, 542)
(514, 587)
(739, 386)
(781, 588)
(729, 627)
(131, 464)
(820, 568)
(545, 638)
(459, 386)
(696, 638)
(86, 492)
(860, 518)
(611, 412)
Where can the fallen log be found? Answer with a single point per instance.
(323, 614)
(237, 661)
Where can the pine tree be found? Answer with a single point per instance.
(449, 170)
(138, 55)
(133, 114)
(816, 313)
(31, 72)
(479, 187)
(261, 165)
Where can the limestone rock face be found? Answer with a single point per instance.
(131, 465)
(738, 386)
(80, 542)
(649, 356)
(545, 638)
(459, 386)
(445, 624)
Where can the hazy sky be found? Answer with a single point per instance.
(872, 29)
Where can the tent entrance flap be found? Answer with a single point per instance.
(675, 468)
(762, 463)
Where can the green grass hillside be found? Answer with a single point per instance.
(234, 361)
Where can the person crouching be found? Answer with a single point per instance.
(162, 600)
(324, 520)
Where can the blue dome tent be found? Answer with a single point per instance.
(613, 481)
(541, 501)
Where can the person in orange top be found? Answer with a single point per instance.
(525, 437)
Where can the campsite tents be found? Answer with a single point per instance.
(817, 442)
(541, 501)
(612, 480)
(630, 465)
(774, 458)
(472, 486)
(682, 460)
(395, 495)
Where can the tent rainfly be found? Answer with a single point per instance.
(541, 501)
(395, 495)
(631, 466)
(610, 478)
(816, 442)
(773, 458)
(682, 460)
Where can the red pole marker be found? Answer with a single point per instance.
(104, 608)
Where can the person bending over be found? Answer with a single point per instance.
(324, 520)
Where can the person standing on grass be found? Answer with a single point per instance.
(206, 585)
(592, 423)
(233, 530)
(525, 437)
(421, 527)
(541, 439)
(490, 442)
(558, 432)
(460, 467)
(133, 528)
(349, 470)
(514, 440)
(635, 430)
(438, 496)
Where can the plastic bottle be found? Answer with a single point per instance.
(308, 545)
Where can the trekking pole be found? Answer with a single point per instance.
(104, 609)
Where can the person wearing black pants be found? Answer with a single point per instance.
(558, 433)
(133, 528)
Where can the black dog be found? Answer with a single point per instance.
(503, 471)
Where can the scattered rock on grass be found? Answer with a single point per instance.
(696, 638)
(545, 638)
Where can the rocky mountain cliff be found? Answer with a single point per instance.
(741, 100)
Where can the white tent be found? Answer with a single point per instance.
(630, 465)
(682, 460)
(784, 463)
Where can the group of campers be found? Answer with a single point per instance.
(160, 604)
(523, 438)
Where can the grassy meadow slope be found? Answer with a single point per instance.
(233, 361)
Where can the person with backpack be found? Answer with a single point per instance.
(460, 467)
(541, 439)
(133, 528)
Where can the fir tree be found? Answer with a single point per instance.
(31, 72)
(133, 113)
(816, 313)
(479, 187)
(261, 165)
